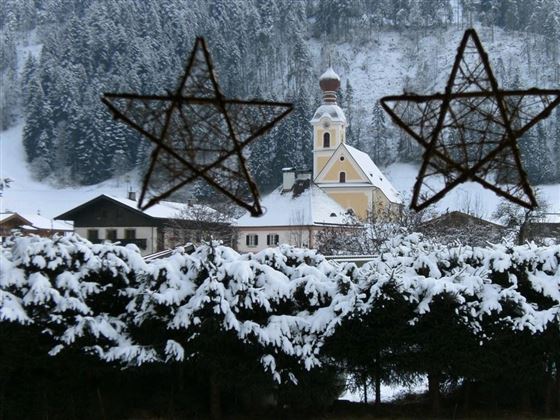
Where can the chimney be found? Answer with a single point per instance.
(132, 195)
(288, 178)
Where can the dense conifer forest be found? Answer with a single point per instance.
(273, 49)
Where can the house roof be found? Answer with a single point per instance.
(37, 222)
(458, 215)
(161, 210)
(304, 205)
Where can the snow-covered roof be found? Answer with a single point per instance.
(161, 210)
(545, 218)
(331, 111)
(168, 209)
(374, 175)
(312, 207)
(329, 74)
(44, 223)
(4, 216)
(36, 222)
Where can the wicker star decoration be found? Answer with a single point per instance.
(198, 134)
(470, 131)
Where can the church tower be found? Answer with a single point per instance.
(329, 122)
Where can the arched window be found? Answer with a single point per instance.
(342, 177)
(327, 140)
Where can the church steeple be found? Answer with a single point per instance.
(329, 122)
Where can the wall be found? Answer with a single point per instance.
(293, 235)
(142, 232)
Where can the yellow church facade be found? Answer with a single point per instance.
(346, 174)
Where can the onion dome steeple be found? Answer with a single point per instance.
(330, 83)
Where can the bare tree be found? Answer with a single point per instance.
(297, 229)
(517, 218)
(198, 223)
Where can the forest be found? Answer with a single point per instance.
(271, 50)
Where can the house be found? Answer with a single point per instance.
(343, 183)
(162, 226)
(540, 227)
(31, 224)
(294, 213)
(458, 226)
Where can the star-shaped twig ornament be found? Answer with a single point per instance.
(470, 132)
(198, 133)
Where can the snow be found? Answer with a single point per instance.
(332, 111)
(388, 392)
(469, 196)
(29, 196)
(57, 282)
(312, 207)
(329, 74)
(168, 209)
(373, 173)
(41, 222)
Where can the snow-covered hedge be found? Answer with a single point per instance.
(282, 304)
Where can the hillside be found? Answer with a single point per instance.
(68, 139)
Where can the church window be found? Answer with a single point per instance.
(342, 177)
(327, 140)
(342, 158)
(252, 240)
(272, 239)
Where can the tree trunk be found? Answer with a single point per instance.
(467, 397)
(101, 405)
(526, 400)
(215, 397)
(433, 391)
(377, 383)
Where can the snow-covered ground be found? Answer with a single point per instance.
(26, 195)
(468, 197)
(388, 393)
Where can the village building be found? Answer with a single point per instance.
(541, 228)
(163, 226)
(344, 185)
(459, 227)
(34, 224)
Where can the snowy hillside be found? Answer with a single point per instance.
(76, 142)
(27, 195)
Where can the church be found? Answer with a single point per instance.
(344, 185)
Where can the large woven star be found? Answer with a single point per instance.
(198, 134)
(470, 131)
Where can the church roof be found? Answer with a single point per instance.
(330, 110)
(304, 205)
(374, 175)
